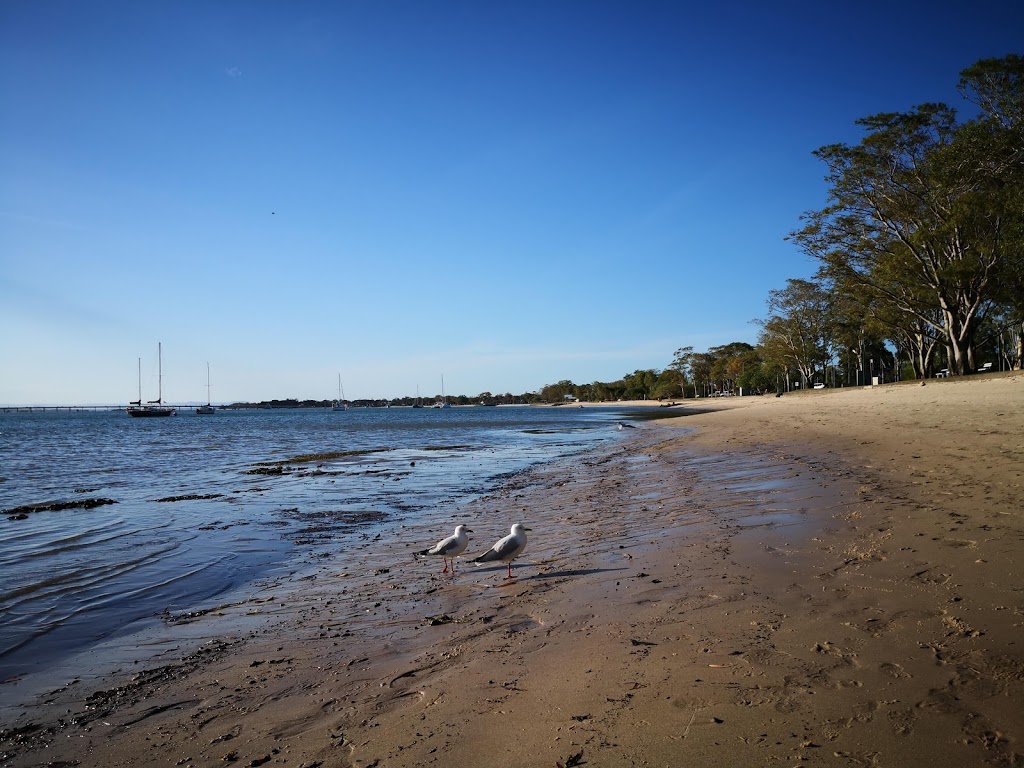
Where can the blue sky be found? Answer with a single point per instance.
(503, 194)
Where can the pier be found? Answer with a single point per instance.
(41, 408)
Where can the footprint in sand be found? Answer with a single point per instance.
(894, 670)
(902, 721)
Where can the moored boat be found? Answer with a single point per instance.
(340, 404)
(156, 407)
(208, 409)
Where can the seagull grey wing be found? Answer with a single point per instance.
(494, 553)
(442, 547)
(450, 546)
(509, 547)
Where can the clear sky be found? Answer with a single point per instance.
(505, 194)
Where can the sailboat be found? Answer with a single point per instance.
(208, 409)
(340, 404)
(417, 404)
(444, 399)
(152, 407)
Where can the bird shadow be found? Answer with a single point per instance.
(574, 572)
(548, 575)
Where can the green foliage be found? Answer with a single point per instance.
(924, 219)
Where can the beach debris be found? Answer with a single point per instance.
(507, 549)
(572, 761)
(449, 548)
(580, 718)
(436, 621)
(636, 642)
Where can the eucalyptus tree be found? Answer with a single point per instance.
(667, 385)
(680, 365)
(926, 211)
(996, 87)
(557, 393)
(701, 368)
(797, 334)
(730, 361)
(640, 384)
(863, 318)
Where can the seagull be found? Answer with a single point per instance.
(507, 549)
(451, 547)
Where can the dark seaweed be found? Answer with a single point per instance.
(19, 513)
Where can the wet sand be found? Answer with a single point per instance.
(830, 578)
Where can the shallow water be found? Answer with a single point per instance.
(202, 505)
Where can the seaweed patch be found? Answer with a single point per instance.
(20, 513)
(307, 458)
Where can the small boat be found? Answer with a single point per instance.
(340, 404)
(443, 403)
(208, 409)
(156, 407)
(417, 404)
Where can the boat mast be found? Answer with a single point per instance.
(139, 401)
(207, 383)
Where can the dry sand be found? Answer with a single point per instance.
(829, 579)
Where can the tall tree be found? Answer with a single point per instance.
(681, 366)
(798, 331)
(905, 215)
(996, 86)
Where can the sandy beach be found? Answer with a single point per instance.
(830, 578)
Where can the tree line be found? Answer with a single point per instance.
(920, 253)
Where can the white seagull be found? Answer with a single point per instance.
(451, 547)
(507, 549)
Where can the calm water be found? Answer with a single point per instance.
(70, 578)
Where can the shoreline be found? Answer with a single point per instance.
(831, 577)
